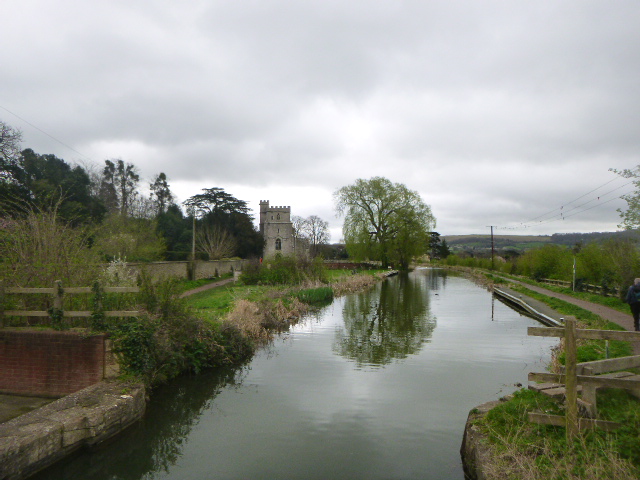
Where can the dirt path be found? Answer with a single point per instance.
(208, 286)
(625, 320)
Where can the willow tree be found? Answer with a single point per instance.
(384, 221)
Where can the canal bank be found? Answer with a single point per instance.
(376, 385)
(36, 432)
(476, 452)
(480, 459)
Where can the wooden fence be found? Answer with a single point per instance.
(58, 292)
(587, 287)
(585, 374)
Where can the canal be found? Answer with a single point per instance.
(376, 385)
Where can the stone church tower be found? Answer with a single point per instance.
(276, 229)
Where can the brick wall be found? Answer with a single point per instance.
(49, 364)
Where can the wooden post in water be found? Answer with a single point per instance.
(570, 379)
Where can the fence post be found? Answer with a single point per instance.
(2, 297)
(570, 379)
(57, 295)
(589, 392)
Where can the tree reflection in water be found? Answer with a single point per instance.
(388, 322)
(155, 443)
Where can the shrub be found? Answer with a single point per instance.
(38, 248)
(284, 271)
(315, 296)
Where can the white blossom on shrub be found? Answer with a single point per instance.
(117, 274)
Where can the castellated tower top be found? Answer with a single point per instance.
(277, 229)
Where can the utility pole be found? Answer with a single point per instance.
(493, 249)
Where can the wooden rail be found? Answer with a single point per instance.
(58, 292)
(587, 287)
(584, 374)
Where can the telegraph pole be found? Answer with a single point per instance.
(493, 249)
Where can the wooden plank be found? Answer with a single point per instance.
(69, 313)
(121, 289)
(76, 313)
(540, 387)
(545, 419)
(26, 313)
(559, 392)
(78, 290)
(48, 290)
(546, 331)
(559, 421)
(599, 381)
(608, 335)
(585, 334)
(133, 313)
(611, 364)
(617, 375)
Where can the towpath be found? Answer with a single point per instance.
(208, 286)
(623, 319)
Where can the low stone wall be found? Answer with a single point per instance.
(475, 450)
(49, 363)
(201, 268)
(86, 418)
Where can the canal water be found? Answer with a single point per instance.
(377, 385)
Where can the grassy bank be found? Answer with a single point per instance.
(527, 451)
(259, 310)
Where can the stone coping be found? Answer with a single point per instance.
(38, 439)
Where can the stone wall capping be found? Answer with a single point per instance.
(36, 440)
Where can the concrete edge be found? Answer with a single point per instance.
(38, 439)
(476, 451)
(526, 305)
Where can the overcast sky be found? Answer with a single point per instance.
(497, 112)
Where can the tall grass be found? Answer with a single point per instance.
(527, 451)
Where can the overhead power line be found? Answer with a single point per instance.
(45, 133)
(561, 213)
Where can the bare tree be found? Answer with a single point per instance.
(312, 230)
(216, 242)
(317, 231)
(10, 139)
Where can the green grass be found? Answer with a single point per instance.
(336, 275)
(611, 302)
(544, 449)
(315, 296)
(588, 350)
(218, 301)
(186, 285)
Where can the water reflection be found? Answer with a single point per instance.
(302, 411)
(156, 443)
(386, 323)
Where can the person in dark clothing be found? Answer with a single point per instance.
(633, 299)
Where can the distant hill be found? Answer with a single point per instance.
(522, 243)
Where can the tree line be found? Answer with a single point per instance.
(123, 221)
